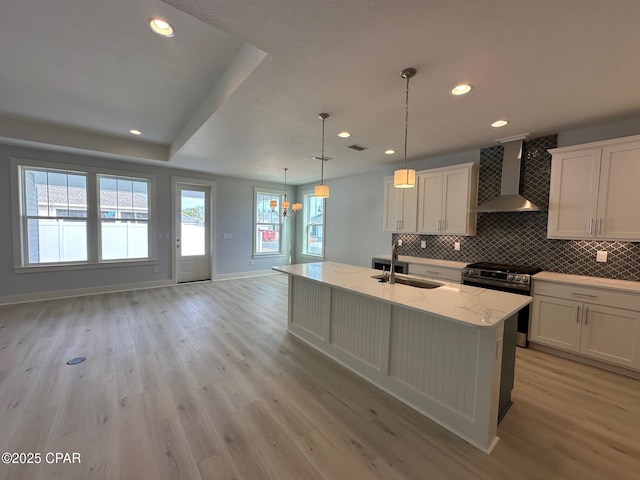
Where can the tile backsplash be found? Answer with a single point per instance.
(521, 238)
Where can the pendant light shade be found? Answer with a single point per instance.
(322, 190)
(405, 177)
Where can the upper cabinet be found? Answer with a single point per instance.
(592, 191)
(400, 205)
(447, 199)
(442, 203)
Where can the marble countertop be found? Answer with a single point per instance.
(461, 303)
(585, 281)
(426, 261)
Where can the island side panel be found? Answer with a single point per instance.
(309, 310)
(448, 371)
(356, 326)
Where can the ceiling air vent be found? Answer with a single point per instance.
(357, 148)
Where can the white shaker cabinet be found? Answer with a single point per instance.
(593, 191)
(447, 198)
(400, 206)
(600, 323)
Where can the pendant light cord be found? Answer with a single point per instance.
(406, 124)
(322, 156)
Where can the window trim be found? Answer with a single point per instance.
(307, 211)
(280, 195)
(21, 265)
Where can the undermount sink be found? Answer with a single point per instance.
(410, 281)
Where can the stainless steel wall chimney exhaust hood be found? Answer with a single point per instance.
(510, 199)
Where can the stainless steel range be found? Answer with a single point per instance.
(506, 278)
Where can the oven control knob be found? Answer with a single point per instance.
(509, 277)
(525, 279)
(465, 271)
(517, 278)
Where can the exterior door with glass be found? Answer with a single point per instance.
(193, 233)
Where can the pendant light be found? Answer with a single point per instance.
(322, 190)
(405, 177)
(295, 208)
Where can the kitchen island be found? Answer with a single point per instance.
(438, 350)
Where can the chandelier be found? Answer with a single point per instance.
(295, 208)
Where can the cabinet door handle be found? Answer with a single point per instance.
(583, 295)
(578, 316)
(591, 226)
(586, 316)
(600, 222)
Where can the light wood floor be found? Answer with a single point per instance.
(202, 381)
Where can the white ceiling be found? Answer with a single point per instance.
(238, 88)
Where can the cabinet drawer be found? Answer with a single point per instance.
(441, 273)
(593, 295)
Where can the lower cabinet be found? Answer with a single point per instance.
(599, 331)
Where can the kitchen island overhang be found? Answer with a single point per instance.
(437, 350)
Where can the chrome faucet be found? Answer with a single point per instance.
(394, 258)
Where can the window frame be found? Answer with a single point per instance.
(306, 224)
(274, 193)
(21, 262)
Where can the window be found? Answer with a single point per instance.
(268, 225)
(124, 217)
(72, 216)
(54, 222)
(313, 225)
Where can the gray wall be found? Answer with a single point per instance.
(234, 214)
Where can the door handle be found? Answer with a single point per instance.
(591, 226)
(600, 222)
(578, 316)
(586, 316)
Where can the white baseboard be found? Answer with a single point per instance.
(78, 292)
(256, 273)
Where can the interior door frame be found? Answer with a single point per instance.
(175, 202)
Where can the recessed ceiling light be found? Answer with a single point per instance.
(135, 132)
(461, 89)
(161, 27)
(499, 123)
(344, 134)
(391, 151)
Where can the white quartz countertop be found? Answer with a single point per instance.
(426, 261)
(585, 281)
(461, 303)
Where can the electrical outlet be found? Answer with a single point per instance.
(423, 244)
(601, 256)
(399, 242)
(456, 245)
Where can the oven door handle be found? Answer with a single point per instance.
(506, 286)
